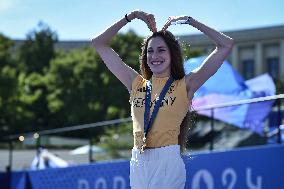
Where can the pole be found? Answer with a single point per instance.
(212, 129)
(9, 167)
(90, 150)
(279, 121)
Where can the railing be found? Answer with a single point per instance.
(277, 98)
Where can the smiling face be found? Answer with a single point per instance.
(159, 57)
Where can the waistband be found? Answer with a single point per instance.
(156, 153)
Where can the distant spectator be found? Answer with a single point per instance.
(45, 159)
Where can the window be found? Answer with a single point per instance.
(273, 66)
(248, 68)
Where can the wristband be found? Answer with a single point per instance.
(127, 18)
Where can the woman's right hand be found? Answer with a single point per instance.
(173, 19)
(149, 19)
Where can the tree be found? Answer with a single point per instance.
(82, 90)
(57, 88)
(38, 49)
(34, 58)
(188, 52)
(8, 86)
(75, 88)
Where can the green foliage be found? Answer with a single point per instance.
(116, 138)
(34, 57)
(38, 49)
(279, 85)
(8, 85)
(128, 46)
(74, 88)
(188, 52)
(5, 50)
(42, 88)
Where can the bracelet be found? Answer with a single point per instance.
(127, 18)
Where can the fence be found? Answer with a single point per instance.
(275, 122)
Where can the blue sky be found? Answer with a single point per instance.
(83, 19)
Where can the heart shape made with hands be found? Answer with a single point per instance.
(151, 23)
(149, 19)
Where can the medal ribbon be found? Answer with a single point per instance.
(148, 123)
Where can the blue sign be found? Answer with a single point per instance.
(252, 168)
(247, 168)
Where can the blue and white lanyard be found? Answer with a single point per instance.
(148, 123)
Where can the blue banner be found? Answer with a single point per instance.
(5, 180)
(18, 180)
(252, 168)
(247, 168)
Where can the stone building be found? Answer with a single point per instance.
(256, 51)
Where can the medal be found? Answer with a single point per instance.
(142, 148)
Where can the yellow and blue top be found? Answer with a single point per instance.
(166, 126)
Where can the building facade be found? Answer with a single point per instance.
(256, 51)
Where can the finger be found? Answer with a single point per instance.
(151, 23)
(148, 23)
(155, 27)
(166, 25)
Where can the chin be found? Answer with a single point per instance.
(155, 72)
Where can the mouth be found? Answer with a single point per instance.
(156, 62)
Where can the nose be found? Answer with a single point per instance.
(155, 54)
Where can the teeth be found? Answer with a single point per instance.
(156, 63)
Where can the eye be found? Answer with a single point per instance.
(162, 50)
(149, 51)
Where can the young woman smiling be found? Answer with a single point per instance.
(160, 97)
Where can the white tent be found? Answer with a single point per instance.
(85, 150)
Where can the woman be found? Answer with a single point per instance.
(160, 97)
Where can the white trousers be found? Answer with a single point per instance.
(159, 168)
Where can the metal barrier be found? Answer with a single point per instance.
(277, 98)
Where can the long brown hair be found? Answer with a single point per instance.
(177, 72)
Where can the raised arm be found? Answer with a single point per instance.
(213, 62)
(112, 60)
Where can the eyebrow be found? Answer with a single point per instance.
(159, 47)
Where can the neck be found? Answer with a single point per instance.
(161, 75)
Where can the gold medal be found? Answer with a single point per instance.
(142, 149)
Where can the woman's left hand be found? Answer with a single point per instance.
(173, 19)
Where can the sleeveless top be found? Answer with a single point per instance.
(166, 127)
